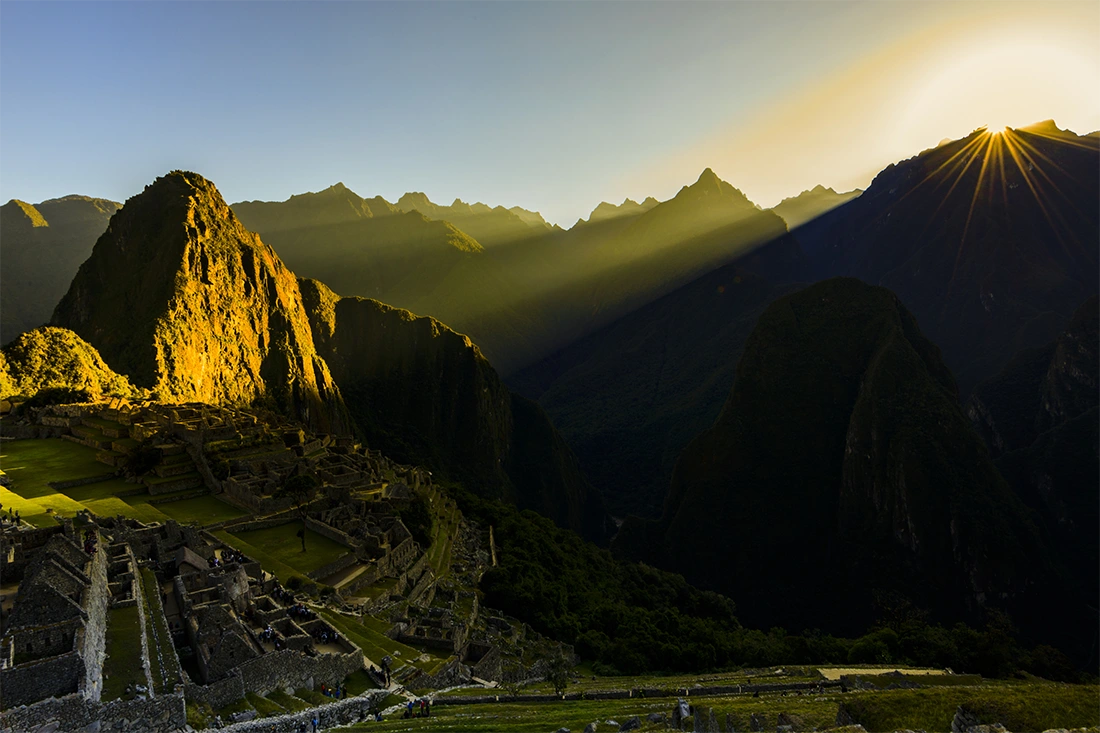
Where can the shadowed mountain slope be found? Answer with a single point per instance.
(424, 393)
(841, 468)
(629, 397)
(185, 301)
(41, 248)
(1040, 418)
(991, 241)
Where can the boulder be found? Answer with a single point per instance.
(631, 724)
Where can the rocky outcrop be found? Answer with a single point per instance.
(425, 394)
(184, 300)
(841, 467)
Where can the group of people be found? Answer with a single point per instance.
(281, 594)
(12, 517)
(421, 708)
(228, 556)
(300, 610)
(324, 636)
(338, 692)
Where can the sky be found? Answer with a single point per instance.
(550, 106)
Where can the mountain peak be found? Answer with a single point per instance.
(181, 298)
(33, 215)
(708, 178)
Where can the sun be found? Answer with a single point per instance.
(995, 82)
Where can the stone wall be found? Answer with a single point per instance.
(334, 714)
(40, 679)
(289, 668)
(92, 644)
(332, 533)
(162, 714)
(216, 694)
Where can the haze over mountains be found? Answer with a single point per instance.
(519, 287)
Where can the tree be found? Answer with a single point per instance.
(300, 489)
(558, 671)
(513, 676)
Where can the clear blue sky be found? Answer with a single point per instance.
(551, 106)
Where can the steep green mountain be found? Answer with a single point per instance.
(335, 205)
(842, 469)
(629, 397)
(424, 393)
(1040, 418)
(797, 210)
(186, 302)
(41, 247)
(491, 226)
(47, 358)
(991, 241)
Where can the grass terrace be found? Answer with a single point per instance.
(161, 651)
(33, 464)
(282, 545)
(123, 666)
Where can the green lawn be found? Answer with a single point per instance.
(283, 545)
(34, 510)
(123, 665)
(279, 569)
(32, 464)
(206, 509)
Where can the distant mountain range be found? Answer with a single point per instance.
(811, 204)
(43, 245)
(518, 286)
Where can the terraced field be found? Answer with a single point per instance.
(32, 465)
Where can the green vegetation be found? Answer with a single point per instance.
(1021, 707)
(31, 464)
(199, 715)
(56, 358)
(628, 618)
(123, 664)
(359, 682)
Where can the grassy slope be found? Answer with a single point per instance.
(282, 544)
